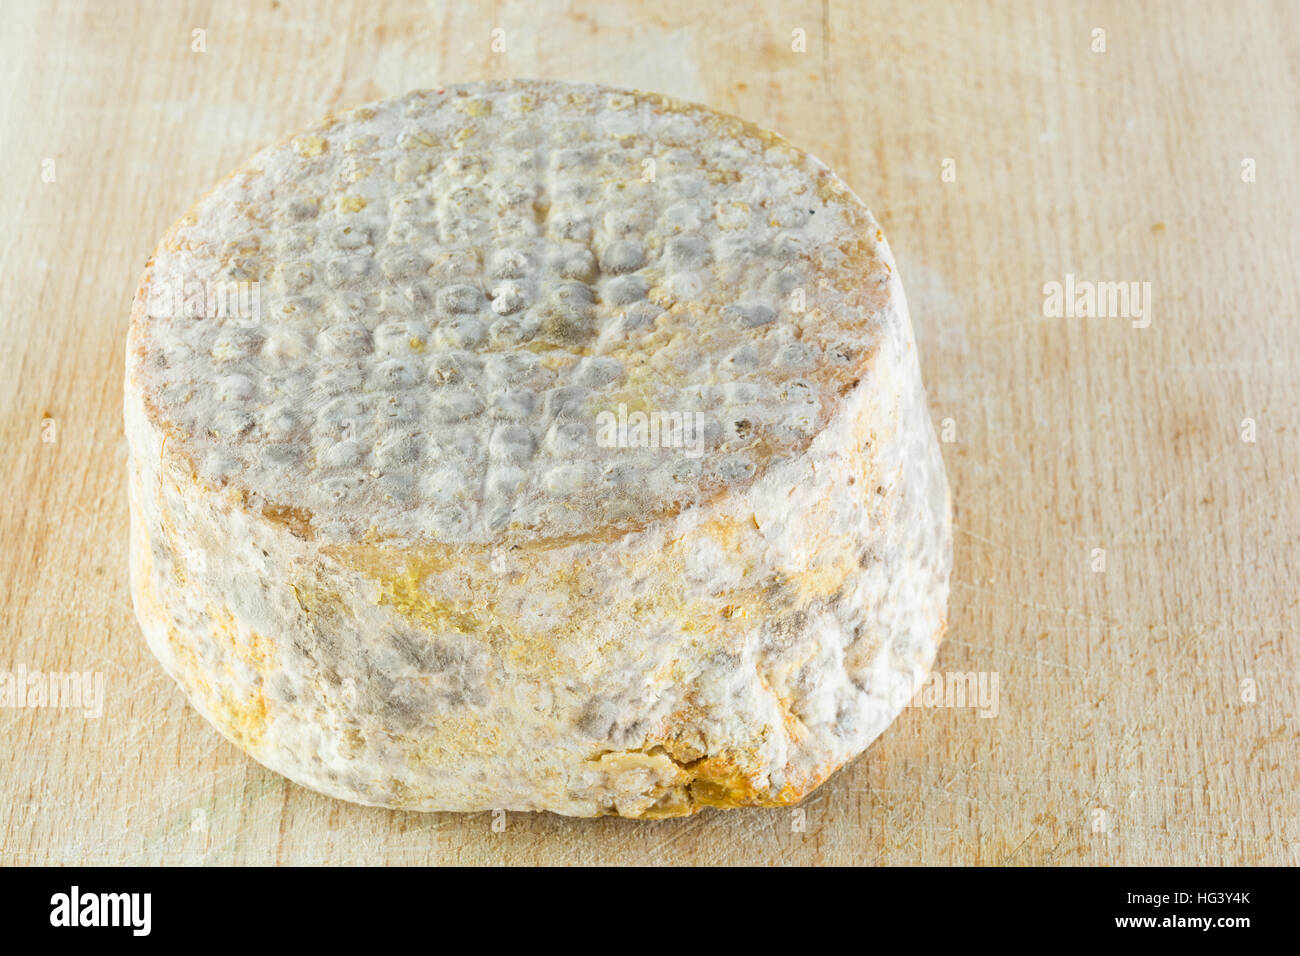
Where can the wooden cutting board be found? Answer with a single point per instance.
(1126, 494)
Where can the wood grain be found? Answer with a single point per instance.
(1147, 713)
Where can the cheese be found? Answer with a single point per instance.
(535, 446)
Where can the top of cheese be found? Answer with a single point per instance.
(480, 315)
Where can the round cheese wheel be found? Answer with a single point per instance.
(535, 446)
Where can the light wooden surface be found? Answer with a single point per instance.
(1147, 713)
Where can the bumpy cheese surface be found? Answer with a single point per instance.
(384, 535)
